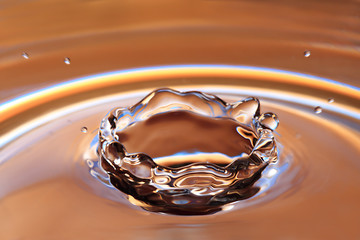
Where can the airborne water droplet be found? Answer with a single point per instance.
(331, 100)
(67, 61)
(317, 109)
(25, 55)
(307, 53)
(84, 129)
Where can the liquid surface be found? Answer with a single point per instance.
(313, 187)
(51, 189)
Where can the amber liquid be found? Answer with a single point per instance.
(311, 182)
(49, 191)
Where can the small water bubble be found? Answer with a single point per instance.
(67, 61)
(307, 53)
(25, 55)
(317, 109)
(331, 100)
(84, 129)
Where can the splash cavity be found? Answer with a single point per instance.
(187, 153)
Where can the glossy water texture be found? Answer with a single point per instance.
(187, 153)
(51, 186)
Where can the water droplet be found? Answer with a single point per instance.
(331, 100)
(67, 61)
(317, 109)
(25, 55)
(84, 129)
(269, 120)
(307, 53)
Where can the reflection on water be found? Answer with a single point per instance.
(60, 173)
(49, 186)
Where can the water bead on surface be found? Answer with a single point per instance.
(269, 120)
(307, 53)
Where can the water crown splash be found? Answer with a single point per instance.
(187, 153)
